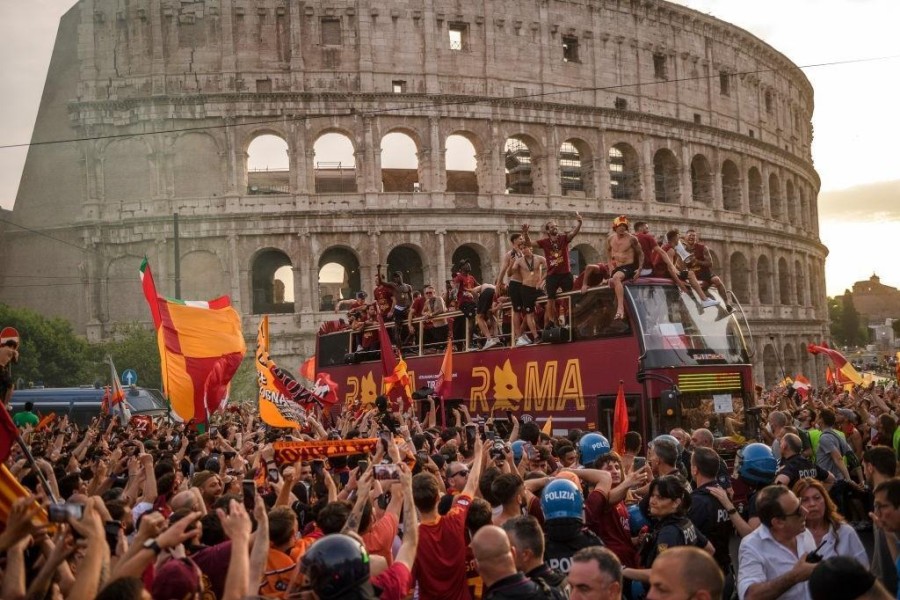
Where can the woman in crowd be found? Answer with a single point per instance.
(827, 526)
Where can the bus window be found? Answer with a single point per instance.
(593, 316)
(333, 349)
(676, 330)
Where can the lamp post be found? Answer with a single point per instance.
(778, 357)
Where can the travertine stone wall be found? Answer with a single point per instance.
(166, 96)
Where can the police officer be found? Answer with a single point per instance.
(707, 513)
(795, 466)
(756, 469)
(563, 506)
(592, 446)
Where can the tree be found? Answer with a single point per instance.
(851, 322)
(836, 316)
(131, 347)
(50, 353)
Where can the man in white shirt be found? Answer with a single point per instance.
(772, 559)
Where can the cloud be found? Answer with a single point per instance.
(870, 202)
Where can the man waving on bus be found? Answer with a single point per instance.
(556, 250)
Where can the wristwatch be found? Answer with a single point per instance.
(152, 544)
(731, 510)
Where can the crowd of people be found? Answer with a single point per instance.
(455, 506)
(533, 274)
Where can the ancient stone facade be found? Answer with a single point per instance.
(640, 107)
(876, 301)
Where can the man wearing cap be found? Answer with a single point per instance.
(556, 250)
(842, 577)
(625, 258)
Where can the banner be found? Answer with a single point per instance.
(843, 367)
(444, 384)
(291, 452)
(275, 409)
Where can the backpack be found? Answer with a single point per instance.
(850, 458)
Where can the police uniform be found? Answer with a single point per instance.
(671, 531)
(563, 538)
(712, 520)
(797, 467)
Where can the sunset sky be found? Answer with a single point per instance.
(855, 121)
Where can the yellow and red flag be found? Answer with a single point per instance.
(620, 420)
(547, 429)
(843, 368)
(444, 383)
(802, 385)
(275, 408)
(10, 491)
(200, 347)
(396, 377)
(308, 368)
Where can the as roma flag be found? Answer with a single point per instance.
(620, 420)
(844, 370)
(200, 348)
(396, 377)
(444, 383)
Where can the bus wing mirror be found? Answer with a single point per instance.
(668, 401)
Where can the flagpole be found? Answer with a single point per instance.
(37, 469)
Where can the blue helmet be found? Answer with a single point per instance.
(636, 519)
(758, 464)
(517, 449)
(592, 446)
(561, 499)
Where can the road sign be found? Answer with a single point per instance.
(129, 377)
(7, 334)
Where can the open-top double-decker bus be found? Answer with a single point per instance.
(676, 359)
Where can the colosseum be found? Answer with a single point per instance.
(504, 111)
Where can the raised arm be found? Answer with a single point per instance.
(578, 221)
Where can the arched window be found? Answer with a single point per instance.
(399, 164)
(334, 164)
(771, 370)
(740, 277)
(784, 282)
(754, 180)
(571, 172)
(804, 209)
(461, 164)
(408, 261)
(764, 280)
(792, 209)
(339, 277)
(581, 256)
(270, 283)
(731, 186)
(519, 178)
(800, 279)
(776, 206)
(666, 178)
(268, 166)
(701, 180)
(624, 173)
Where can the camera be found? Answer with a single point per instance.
(498, 450)
(387, 472)
(62, 511)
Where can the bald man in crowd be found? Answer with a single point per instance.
(685, 572)
(497, 567)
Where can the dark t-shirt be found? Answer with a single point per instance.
(672, 531)
(556, 253)
(712, 520)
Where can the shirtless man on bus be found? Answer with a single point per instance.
(529, 269)
(402, 295)
(625, 260)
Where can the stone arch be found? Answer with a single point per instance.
(267, 292)
(624, 172)
(666, 177)
(776, 203)
(461, 166)
(268, 164)
(338, 276)
(784, 282)
(121, 290)
(792, 207)
(701, 180)
(804, 208)
(197, 166)
(478, 258)
(731, 186)
(334, 162)
(800, 281)
(407, 259)
(739, 273)
(127, 171)
(400, 165)
(791, 364)
(755, 188)
(202, 276)
(764, 280)
(522, 158)
(771, 372)
(581, 256)
(576, 176)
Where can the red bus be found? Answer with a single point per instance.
(679, 363)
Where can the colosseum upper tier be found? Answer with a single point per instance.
(607, 107)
